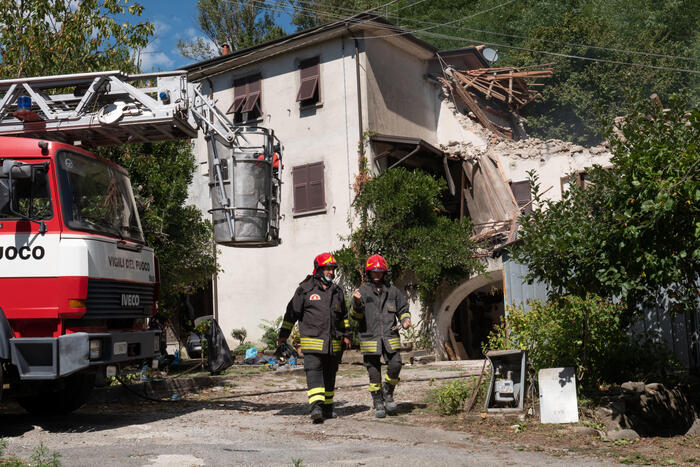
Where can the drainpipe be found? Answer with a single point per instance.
(359, 88)
(214, 277)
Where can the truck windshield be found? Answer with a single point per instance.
(30, 196)
(97, 197)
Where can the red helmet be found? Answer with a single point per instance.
(376, 263)
(323, 260)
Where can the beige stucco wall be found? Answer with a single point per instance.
(399, 100)
(256, 284)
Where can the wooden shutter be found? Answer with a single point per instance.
(309, 71)
(300, 180)
(254, 89)
(239, 95)
(309, 188)
(317, 198)
(522, 195)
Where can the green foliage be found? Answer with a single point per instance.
(580, 89)
(634, 232)
(239, 334)
(270, 332)
(51, 37)
(588, 334)
(41, 457)
(450, 397)
(400, 218)
(238, 23)
(240, 350)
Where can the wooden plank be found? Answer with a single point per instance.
(474, 107)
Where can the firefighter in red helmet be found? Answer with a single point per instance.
(319, 306)
(378, 306)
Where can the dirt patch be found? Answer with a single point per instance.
(417, 408)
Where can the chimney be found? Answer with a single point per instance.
(225, 49)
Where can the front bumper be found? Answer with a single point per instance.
(44, 358)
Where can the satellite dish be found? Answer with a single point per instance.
(489, 54)
(111, 113)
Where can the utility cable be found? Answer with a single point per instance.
(513, 36)
(450, 37)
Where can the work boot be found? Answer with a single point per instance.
(328, 411)
(379, 410)
(389, 403)
(316, 413)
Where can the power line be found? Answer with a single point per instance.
(556, 54)
(450, 37)
(516, 36)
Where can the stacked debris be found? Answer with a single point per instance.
(494, 95)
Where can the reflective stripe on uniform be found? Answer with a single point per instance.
(316, 394)
(309, 343)
(368, 346)
(335, 346)
(395, 343)
(287, 325)
(391, 381)
(346, 323)
(374, 387)
(404, 316)
(329, 397)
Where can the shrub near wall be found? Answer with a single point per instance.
(585, 333)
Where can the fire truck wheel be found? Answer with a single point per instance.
(71, 396)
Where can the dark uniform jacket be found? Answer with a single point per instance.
(379, 311)
(322, 316)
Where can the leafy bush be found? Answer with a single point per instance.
(586, 333)
(239, 334)
(401, 217)
(241, 349)
(270, 332)
(450, 397)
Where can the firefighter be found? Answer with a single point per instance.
(319, 306)
(378, 306)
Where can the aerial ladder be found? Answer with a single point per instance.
(113, 108)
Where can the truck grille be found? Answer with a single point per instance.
(113, 299)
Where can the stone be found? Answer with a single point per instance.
(633, 387)
(584, 430)
(694, 429)
(622, 434)
(658, 387)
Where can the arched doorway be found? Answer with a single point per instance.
(467, 314)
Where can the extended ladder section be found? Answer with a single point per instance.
(110, 108)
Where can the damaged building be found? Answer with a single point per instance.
(364, 81)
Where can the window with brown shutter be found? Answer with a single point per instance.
(309, 188)
(309, 74)
(522, 195)
(247, 94)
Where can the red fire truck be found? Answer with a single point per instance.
(77, 283)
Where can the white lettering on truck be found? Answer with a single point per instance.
(128, 263)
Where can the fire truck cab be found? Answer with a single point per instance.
(77, 283)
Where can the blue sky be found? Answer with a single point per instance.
(173, 20)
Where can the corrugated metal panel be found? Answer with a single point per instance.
(517, 290)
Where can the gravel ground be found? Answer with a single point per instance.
(261, 419)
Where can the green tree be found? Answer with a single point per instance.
(634, 232)
(238, 23)
(49, 37)
(400, 217)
